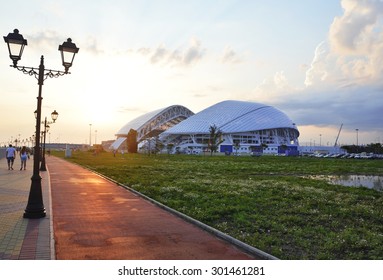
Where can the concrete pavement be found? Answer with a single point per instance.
(23, 239)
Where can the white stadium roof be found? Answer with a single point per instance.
(234, 117)
(152, 123)
(139, 121)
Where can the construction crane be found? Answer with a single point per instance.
(336, 141)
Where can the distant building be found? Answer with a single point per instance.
(63, 146)
(106, 144)
(307, 150)
(247, 128)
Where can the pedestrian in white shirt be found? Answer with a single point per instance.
(10, 154)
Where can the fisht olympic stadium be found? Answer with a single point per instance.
(247, 128)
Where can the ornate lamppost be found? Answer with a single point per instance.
(16, 43)
(54, 116)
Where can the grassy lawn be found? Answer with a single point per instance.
(262, 201)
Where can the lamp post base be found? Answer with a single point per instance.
(35, 208)
(43, 166)
(34, 215)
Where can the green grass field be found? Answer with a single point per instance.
(262, 201)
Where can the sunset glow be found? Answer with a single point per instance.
(320, 62)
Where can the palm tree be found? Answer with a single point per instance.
(215, 138)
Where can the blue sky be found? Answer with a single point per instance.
(319, 61)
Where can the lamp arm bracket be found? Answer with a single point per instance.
(48, 122)
(48, 73)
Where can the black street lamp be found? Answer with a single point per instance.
(16, 43)
(46, 123)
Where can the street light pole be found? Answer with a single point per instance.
(357, 137)
(90, 135)
(43, 167)
(35, 207)
(16, 43)
(54, 116)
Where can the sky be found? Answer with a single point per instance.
(318, 61)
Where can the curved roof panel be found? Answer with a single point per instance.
(155, 122)
(233, 117)
(139, 121)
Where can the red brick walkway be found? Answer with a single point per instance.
(94, 218)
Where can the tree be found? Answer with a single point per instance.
(169, 147)
(375, 148)
(132, 141)
(236, 146)
(158, 145)
(215, 138)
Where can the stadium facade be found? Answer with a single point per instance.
(152, 124)
(246, 127)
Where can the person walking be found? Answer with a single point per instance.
(10, 154)
(23, 157)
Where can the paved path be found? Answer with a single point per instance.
(21, 238)
(96, 219)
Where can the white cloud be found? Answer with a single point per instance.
(230, 56)
(353, 32)
(344, 83)
(272, 90)
(178, 57)
(44, 40)
(192, 54)
(317, 73)
(159, 54)
(356, 38)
